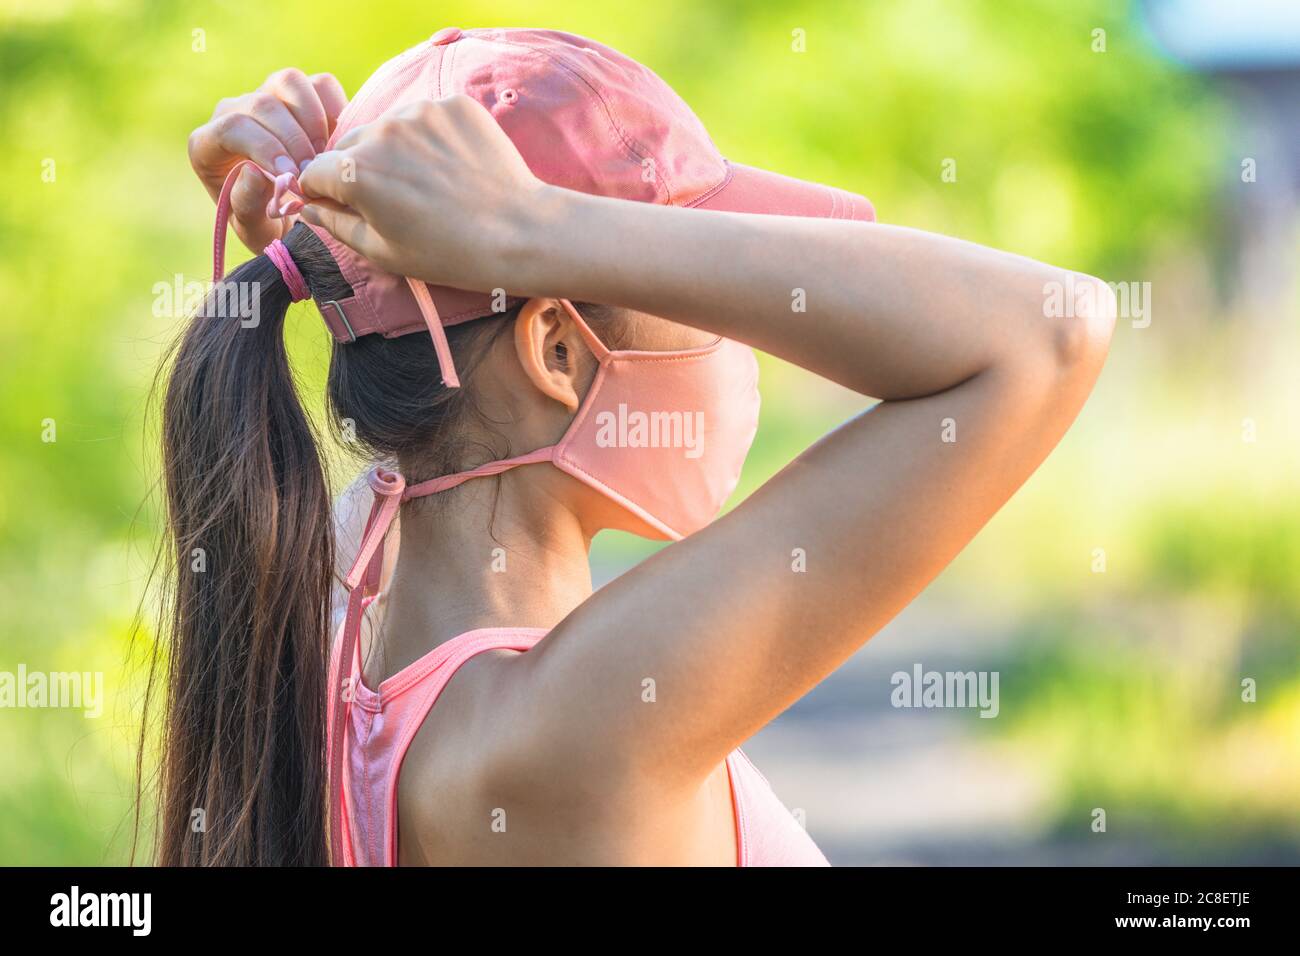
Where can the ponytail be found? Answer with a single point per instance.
(247, 558)
(250, 546)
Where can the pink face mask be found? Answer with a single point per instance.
(664, 434)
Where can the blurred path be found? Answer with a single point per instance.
(883, 785)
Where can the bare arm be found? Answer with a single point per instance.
(945, 331)
(891, 312)
(942, 330)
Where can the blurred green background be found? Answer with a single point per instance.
(1121, 688)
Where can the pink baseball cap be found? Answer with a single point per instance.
(584, 117)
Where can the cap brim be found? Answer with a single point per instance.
(748, 189)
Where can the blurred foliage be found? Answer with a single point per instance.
(1165, 742)
(1113, 163)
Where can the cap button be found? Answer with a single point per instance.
(446, 35)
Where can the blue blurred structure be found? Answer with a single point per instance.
(1252, 49)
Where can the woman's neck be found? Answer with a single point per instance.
(479, 558)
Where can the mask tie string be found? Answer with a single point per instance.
(433, 321)
(287, 200)
(363, 580)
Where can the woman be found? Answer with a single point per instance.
(532, 720)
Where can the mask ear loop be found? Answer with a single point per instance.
(593, 341)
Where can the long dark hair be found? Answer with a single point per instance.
(247, 560)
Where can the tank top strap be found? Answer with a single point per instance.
(367, 777)
(429, 676)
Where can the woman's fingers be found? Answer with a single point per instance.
(343, 224)
(217, 145)
(281, 126)
(271, 112)
(332, 97)
(248, 201)
(331, 174)
(353, 136)
(405, 176)
(295, 91)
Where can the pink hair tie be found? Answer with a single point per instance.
(278, 253)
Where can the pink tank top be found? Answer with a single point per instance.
(382, 724)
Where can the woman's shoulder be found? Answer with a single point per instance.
(461, 776)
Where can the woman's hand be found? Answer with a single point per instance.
(280, 126)
(436, 191)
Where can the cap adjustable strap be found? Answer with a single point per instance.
(436, 332)
(288, 200)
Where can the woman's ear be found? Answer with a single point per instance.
(546, 342)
